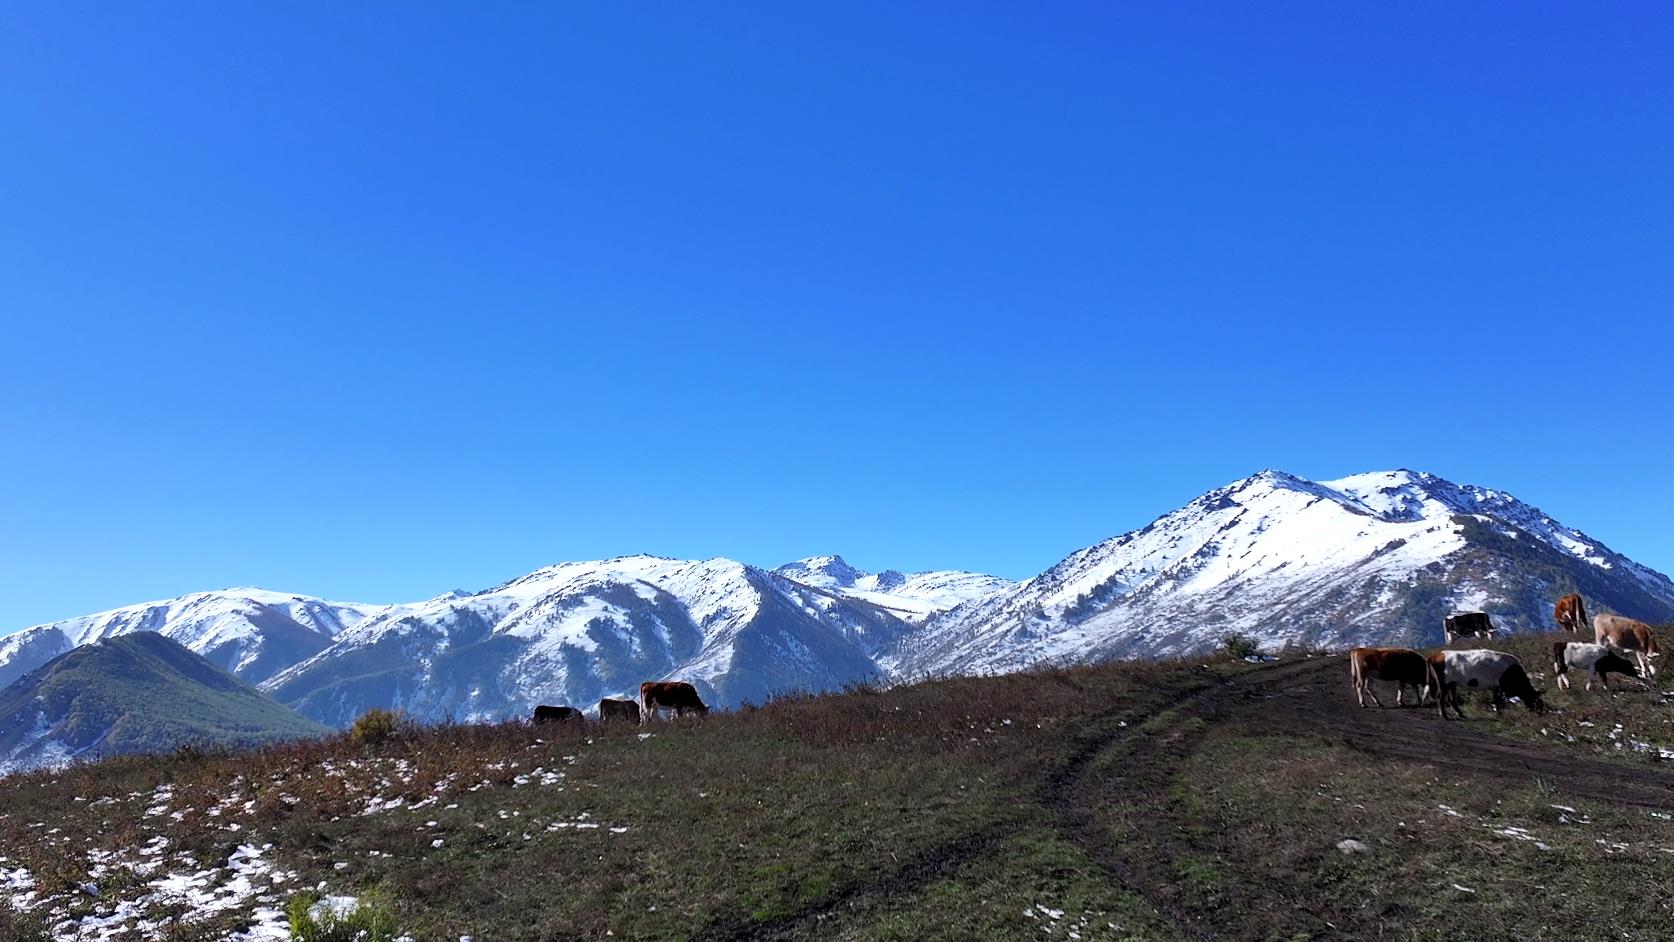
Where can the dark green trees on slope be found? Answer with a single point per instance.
(134, 693)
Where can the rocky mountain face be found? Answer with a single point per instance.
(1379, 557)
(138, 692)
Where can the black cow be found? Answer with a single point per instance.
(1472, 624)
(557, 714)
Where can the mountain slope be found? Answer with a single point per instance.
(574, 632)
(1374, 557)
(252, 633)
(138, 692)
(912, 597)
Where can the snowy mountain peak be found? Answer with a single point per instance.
(910, 596)
(828, 572)
(1380, 556)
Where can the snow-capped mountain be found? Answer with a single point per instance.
(1374, 557)
(251, 633)
(912, 597)
(574, 632)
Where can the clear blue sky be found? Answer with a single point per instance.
(373, 300)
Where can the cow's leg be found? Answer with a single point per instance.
(1603, 679)
(1372, 692)
(1360, 693)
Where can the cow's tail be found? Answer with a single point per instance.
(1433, 682)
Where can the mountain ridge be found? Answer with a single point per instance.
(1373, 557)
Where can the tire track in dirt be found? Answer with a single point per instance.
(1316, 701)
(1056, 794)
(1150, 766)
(1303, 698)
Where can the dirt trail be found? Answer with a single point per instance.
(1305, 698)
(1312, 698)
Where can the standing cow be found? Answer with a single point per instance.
(1404, 666)
(1472, 624)
(610, 711)
(1596, 659)
(1481, 669)
(1571, 613)
(676, 695)
(1628, 634)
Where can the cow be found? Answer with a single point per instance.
(676, 695)
(1481, 669)
(1628, 634)
(1401, 665)
(1461, 624)
(1571, 613)
(612, 710)
(1596, 659)
(556, 714)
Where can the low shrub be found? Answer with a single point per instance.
(1239, 646)
(375, 727)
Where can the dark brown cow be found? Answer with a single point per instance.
(557, 714)
(612, 710)
(676, 695)
(1571, 613)
(1403, 666)
(1460, 624)
(1628, 634)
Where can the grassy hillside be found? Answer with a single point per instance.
(1186, 800)
(139, 693)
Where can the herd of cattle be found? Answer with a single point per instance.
(654, 696)
(1440, 675)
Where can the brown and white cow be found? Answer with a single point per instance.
(1481, 669)
(1596, 659)
(1473, 624)
(1571, 613)
(1628, 634)
(611, 711)
(676, 695)
(1403, 666)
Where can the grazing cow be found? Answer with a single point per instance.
(612, 710)
(1401, 665)
(1473, 624)
(676, 695)
(557, 714)
(1628, 634)
(1571, 613)
(1596, 659)
(1481, 669)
